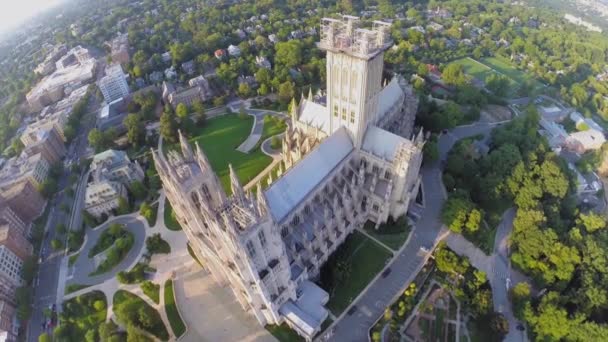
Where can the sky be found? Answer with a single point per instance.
(17, 11)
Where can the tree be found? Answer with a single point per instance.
(286, 92)
(499, 326)
(181, 111)
(146, 211)
(244, 90)
(61, 228)
(28, 269)
(56, 244)
(168, 127)
(99, 305)
(47, 188)
(453, 74)
(430, 151)
(591, 222)
(135, 335)
(138, 190)
(289, 54)
(91, 335)
(498, 84)
(135, 129)
(123, 206)
(455, 212)
(44, 337)
(473, 221)
(520, 296)
(107, 329)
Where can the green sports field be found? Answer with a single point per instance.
(487, 66)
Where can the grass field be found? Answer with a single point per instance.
(391, 234)
(175, 320)
(219, 138)
(367, 258)
(170, 221)
(507, 69)
(481, 71)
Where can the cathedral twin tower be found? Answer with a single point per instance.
(351, 160)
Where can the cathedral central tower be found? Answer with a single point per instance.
(354, 72)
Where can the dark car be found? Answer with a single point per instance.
(352, 310)
(386, 272)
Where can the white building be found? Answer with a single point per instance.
(10, 266)
(354, 160)
(114, 84)
(110, 171)
(234, 51)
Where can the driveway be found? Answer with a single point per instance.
(211, 312)
(79, 272)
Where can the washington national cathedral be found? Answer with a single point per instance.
(348, 157)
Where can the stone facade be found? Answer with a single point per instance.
(354, 160)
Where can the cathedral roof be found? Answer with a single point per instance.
(315, 115)
(288, 191)
(382, 143)
(389, 95)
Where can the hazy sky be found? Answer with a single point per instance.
(15, 12)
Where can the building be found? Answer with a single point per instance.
(116, 166)
(45, 141)
(110, 171)
(219, 54)
(583, 141)
(32, 169)
(24, 200)
(103, 196)
(353, 160)
(120, 49)
(186, 96)
(114, 84)
(10, 218)
(112, 115)
(234, 51)
(72, 70)
(8, 329)
(263, 62)
(16, 242)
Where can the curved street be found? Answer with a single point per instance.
(84, 265)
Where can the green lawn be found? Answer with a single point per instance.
(481, 71)
(170, 220)
(151, 290)
(219, 138)
(272, 126)
(284, 333)
(392, 234)
(509, 70)
(125, 303)
(366, 258)
(177, 325)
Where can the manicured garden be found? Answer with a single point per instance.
(170, 220)
(81, 317)
(116, 242)
(132, 310)
(151, 290)
(177, 324)
(392, 234)
(220, 137)
(352, 266)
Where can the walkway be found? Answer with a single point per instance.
(257, 129)
(276, 159)
(211, 312)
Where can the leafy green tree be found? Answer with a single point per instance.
(56, 244)
(168, 127)
(181, 111)
(286, 92)
(138, 190)
(135, 129)
(123, 206)
(44, 337)
(289, 54)
(453, 74)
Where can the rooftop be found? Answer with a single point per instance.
(288, 191)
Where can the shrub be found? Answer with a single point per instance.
(156, 245)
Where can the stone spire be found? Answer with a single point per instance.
(261, 200)
(201, 158)
(237, 188)
(269, 178)
(310, 94)
(293, 107)
(186, 150)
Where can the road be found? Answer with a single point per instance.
(370, 305)
(45, 285)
